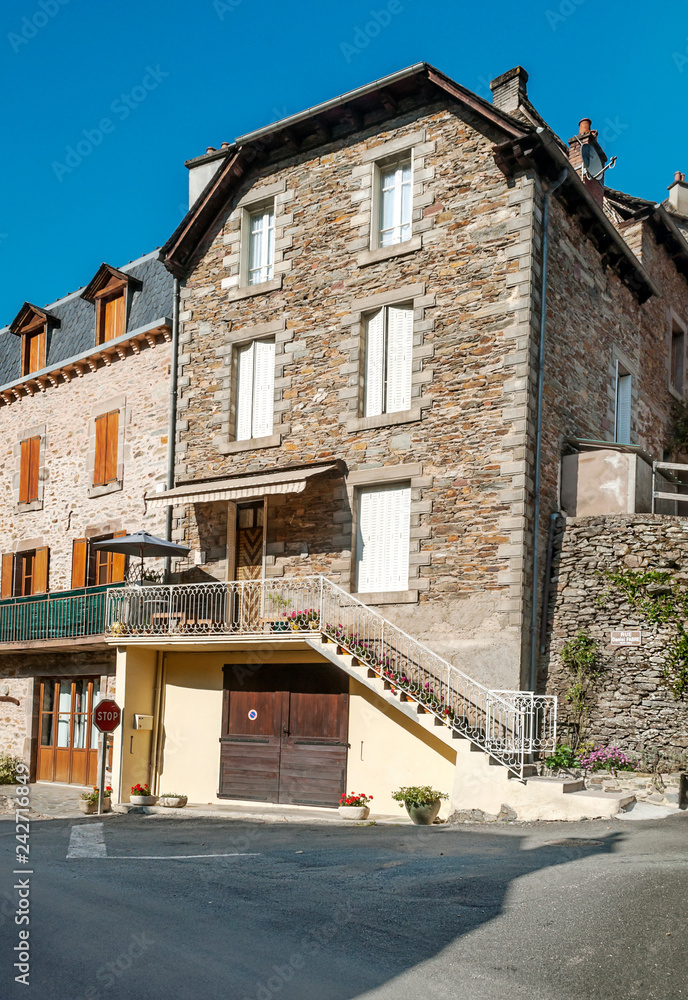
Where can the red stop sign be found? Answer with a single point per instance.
(107, 715)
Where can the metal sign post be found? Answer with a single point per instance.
(107, 716)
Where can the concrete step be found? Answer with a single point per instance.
(568, 785)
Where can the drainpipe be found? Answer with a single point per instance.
(172, 432)
(538, 437)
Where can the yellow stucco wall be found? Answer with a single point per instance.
(389, 750)
(135, 694)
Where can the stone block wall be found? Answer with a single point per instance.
(632, 707)
(140, 384)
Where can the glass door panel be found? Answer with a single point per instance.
(64, 716)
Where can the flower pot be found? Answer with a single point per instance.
(142, 800)
(423, 813)
(173, 801)
(280, 626)
(354, 812)
(89, 808)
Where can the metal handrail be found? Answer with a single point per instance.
(509, 725)
(674, 481)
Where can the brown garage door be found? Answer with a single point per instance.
(284, 732)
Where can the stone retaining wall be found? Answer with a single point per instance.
(632, 707)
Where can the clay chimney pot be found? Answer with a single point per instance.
(584, 126)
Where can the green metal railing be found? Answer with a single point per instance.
(66, 614)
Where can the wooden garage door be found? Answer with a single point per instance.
(284, 734)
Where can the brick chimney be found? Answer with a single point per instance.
(581, 158)
(678, 194)
(509, 90)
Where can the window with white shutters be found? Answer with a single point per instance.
(255, 389)
(623, 406)
(261, 245)
(382, 544)
(395, 203)
(388, 357)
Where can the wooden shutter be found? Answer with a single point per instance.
(24, 470)
(79, 560)
(383, 538)
(113, 317)
(373, 395)
(399, 356)
(263, 387)
(623, 408)
(112, 435)
(119, 563)
(101, 450)
(40, 571)
(244, 393)
(7, 574)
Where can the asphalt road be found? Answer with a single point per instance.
(590, 911)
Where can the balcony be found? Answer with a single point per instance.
(60, 618)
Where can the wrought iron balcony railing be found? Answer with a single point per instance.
(66, 614)
(510, 725)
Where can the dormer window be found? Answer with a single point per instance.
(32, 324)
(110, 292)
(33, 348)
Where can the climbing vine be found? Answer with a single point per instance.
(580, 658)
(660, 600)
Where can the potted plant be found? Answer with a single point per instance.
(172, 800)
(422, 803)
(141, 796)
(354, 806)
(88, 803)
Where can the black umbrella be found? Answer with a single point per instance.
(143, 545)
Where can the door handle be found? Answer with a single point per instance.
(285, 731)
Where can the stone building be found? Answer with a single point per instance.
(375, 422)
(84, 419)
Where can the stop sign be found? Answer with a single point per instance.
(107, 715)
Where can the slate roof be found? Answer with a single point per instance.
(77, 330)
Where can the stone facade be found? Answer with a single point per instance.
(468, 274)
(631, 706)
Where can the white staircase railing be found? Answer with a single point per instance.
(511, 726)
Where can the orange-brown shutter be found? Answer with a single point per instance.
(24, 469)
(34, 459)
(112, 449)
(40, 571)
(119, 562)
(101, 450)
(79, 556)
(113, 325)
(7, 574)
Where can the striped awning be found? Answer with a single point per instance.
(241, 487)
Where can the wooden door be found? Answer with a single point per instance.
(249, 564)
(251, 734)
(314, 740)
(68, 742)
(284, 736)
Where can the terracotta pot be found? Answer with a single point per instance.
(354, 812)
(423, 813)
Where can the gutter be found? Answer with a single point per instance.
(538, 438)
(172, 423)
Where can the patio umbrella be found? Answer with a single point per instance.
(143, 545)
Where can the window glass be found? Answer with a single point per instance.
(395, 204)
(261, 246)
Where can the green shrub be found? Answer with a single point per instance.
(8, 768)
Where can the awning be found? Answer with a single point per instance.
(242, 487)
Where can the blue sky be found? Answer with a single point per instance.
(175, 76)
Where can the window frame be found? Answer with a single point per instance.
(113, 291)
(266, 268)
(384, 411)
(35, 331)
(104, 409)
(380, 168)
(676, 328)
(237, 389)
(622, 372)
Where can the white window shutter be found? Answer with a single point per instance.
(373, 392)
(263, 387)
(383, 539)
(399, 356)
(244, 393)
(623, 408)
